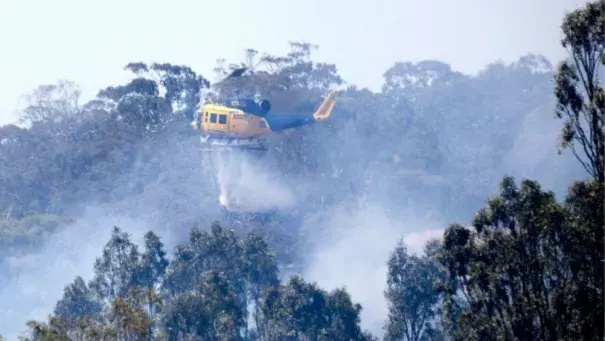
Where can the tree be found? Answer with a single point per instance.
(150, 273)
(532, 268)
(153, 263)
(115, 270)
(52, 103)
(216, 250)
(40, 331)
(579, 91)
(302, 311)
(212, 311)
(411, 296)
(406, 79)
(292, 82)
(127, 317)
(179, 83)
(260, 269)
(159, 94)
(61, 330)
(78, 302)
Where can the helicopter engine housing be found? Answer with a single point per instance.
(259, 108)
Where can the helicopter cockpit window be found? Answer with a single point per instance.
(212, 118)
(222, 119)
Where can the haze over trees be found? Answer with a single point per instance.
(528, 266)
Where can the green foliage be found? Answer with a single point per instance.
(116, 269)
(213, 311)
(133, 142)
(411, 295)
(579, 91)
(529, 268)
(203, 293)
(19, 236)
(71, 152)
(532, 268)
(77, 302)
(300, 310)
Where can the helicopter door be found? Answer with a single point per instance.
(222, 122)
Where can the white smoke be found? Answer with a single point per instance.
(353, 248)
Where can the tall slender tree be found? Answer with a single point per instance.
(579, 91)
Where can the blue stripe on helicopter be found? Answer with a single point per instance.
(238, 116)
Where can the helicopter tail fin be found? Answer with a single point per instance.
(325, 108)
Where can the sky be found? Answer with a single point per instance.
(89, 42)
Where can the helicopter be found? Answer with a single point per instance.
(238, 123)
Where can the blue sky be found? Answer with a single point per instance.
(90, 41)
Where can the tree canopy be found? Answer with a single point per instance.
(528, 265)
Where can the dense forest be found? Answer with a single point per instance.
(525, 261)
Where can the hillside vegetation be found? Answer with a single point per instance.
(528, 265)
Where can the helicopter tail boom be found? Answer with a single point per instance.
(278, 122)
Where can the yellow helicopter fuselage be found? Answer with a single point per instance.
(222, 120)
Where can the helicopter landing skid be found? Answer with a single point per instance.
(229, 144)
